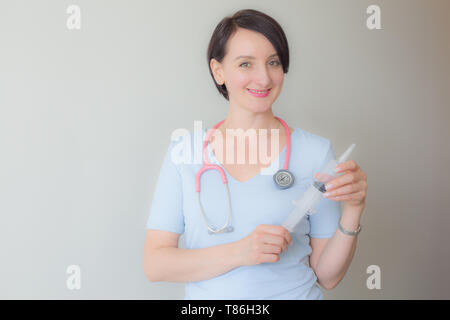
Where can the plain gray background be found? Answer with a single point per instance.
(86, 117)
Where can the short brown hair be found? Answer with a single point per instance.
(252, 20)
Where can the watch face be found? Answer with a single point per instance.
(284, 179)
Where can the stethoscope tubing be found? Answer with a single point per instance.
(208, 166)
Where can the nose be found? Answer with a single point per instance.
(262, 77)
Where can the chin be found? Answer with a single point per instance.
(261, 107)
(259, 104)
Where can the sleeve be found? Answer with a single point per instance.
(166, 211)
(324, 222)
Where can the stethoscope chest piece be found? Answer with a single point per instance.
(283, 179)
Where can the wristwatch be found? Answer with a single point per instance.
(349, 233)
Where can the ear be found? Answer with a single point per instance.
(216, 68)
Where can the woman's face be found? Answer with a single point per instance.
(250, 62)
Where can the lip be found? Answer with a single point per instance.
(260, 95)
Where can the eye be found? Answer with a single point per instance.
(272, 63)
(277, 63)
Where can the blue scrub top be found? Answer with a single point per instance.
(256, 201)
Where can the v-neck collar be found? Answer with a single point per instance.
(271, 168)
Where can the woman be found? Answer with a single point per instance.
(258, 258)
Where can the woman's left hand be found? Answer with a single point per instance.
(351, 187)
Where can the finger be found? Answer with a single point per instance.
(349, 177)
(349, 197)
(346, 189)
(323, 177)
(270, 258)
(289, 238)
(278, 231)
(347, 165)
(268, 248)
(275, 240)
(287, 235)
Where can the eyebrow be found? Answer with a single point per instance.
(250, 57)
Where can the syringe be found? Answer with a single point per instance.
(314, 193)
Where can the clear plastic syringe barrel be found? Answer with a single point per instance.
(302, 207)
(314, 193)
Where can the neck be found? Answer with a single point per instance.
(239, 118)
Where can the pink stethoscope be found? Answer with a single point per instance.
(283, 178)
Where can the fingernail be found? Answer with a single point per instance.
(326, 194)
(337, 169)
(328, 186)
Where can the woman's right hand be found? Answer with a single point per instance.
(264, 244)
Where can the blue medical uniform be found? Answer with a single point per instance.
(256, 201)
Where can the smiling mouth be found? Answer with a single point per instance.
(258, 91)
